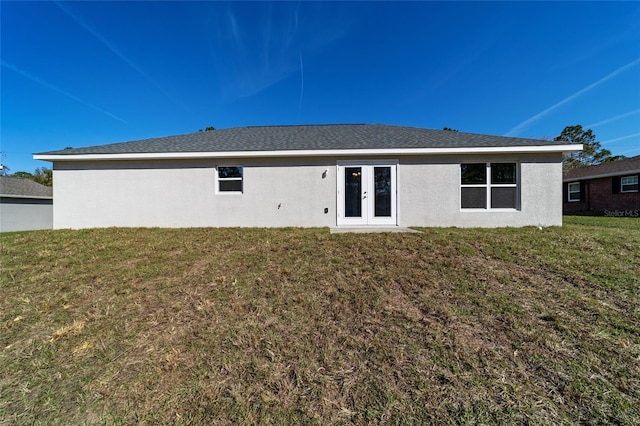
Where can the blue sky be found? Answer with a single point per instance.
(89, 73)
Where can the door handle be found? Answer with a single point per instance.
(365, 195)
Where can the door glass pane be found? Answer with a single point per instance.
(382, 184)
(353, 192)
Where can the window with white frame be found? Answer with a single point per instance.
(489, 186)
(629, 184)
(573, 191)
(230, 179)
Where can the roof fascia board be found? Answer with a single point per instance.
(309, 153)
(603, 175)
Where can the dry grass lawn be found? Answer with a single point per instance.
(298, 326)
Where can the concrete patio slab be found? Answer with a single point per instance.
(370, 229)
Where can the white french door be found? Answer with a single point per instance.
(366, 193)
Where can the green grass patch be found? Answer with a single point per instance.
(298, 326)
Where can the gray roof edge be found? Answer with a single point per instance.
(69, 151)
(12, 186)
(602, 175)
(604, 170)
(33, 197)
(223, 132)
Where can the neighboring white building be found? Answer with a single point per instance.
(311, 176)
(24, 205)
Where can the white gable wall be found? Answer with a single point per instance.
(286, 192)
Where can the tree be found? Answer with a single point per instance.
(25, 175)
(592, 152)
(4, 169)
(208, 129)
(43, 176)
(449, 129)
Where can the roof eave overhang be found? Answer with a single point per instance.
(32, 197)
(603, 175)
(311, 153)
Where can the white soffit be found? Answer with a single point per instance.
(310, 153)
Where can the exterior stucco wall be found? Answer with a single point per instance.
(282, 192)
(277, 192)
(429, 192)
(23, 214)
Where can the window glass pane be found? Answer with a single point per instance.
(230, 185)
(382, 182)
(474, 198)
(503, 198)
(229, 172)
(473, 174)
(503, 173)
(574, 191)
(353, 192)
(629, 183)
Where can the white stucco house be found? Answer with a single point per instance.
(311, 176)
(25, 205)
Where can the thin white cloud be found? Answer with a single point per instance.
(612, 119)
(621, 138)
(247, 72)
(301, 82)
(254, 51)
(514, 131)
(233, 25)
(635, 150)
(112, 47)
(57, 89)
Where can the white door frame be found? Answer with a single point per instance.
(368, 195)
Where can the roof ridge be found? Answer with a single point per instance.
(306, 125)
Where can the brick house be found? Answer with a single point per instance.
(609, 189)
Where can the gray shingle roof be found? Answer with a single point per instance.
(620, 167)
(22, 187)
(306, 137)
